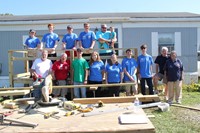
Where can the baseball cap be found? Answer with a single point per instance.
(32, 30)
(69, 27)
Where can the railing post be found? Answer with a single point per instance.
(10, 65)
(71, 60)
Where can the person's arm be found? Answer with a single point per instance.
(121, 77)
(34, 73)
(63, 46)
(86, 76)
(92, 45)
(127, 74)
(182, 77)
(114, 39)
(103, 75)
(138, 69)
(157, 68)
(151, 69)
(80, 44)
(103, 39)
(53, 75)
(41, 45)
(106, 77)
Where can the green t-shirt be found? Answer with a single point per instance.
(79, 66)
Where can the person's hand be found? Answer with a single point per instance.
(132, 79)
(71, 82)
(53, 49)
(139, 76)
(74, 48)
(85, 82)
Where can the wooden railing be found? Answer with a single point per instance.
(24, 77)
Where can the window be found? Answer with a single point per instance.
(166, 40)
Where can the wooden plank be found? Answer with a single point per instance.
(142, 98)
(23, 80)
(14, 93)
(106, 123)
(22, 75)
(71, 86)
(186, 107)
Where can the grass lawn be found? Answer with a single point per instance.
(178, 120)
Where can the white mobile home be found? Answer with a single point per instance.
(177, 31)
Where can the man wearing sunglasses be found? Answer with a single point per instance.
(103, 39)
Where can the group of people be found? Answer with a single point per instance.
(95, 71)
(85, 40)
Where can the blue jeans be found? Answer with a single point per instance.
(77, 92)
(37, 93)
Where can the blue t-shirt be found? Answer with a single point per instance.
(50, 39)
(104, 35)
(70, 40)
(130, 65)
(173, 70)
(32, 42)
(114, 73)
(96, 71)
(112, 34)
(144, 63)
(86, 38)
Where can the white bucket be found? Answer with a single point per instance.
(163, 107)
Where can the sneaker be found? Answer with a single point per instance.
(50, 98)
(169, 102)
(155, 91)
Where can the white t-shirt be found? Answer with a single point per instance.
(41, 67)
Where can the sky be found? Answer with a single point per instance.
(40, 7)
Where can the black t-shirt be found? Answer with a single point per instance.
(161, 61)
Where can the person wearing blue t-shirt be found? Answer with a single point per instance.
(129, 66)
(50, 40)
(96, 71)
(32, 44)
(145, 68)
(113, 75)
(103, 39)
(69, 41)
(113, 37)
(87, 39)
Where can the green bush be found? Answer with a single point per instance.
(194, 87)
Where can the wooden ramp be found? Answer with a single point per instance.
(142, 98)
(105, 123)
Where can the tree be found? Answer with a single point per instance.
(6, 14)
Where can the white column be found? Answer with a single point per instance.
(154, 43)
(177, 46)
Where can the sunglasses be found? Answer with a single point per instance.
(104, 27)
(143, 48)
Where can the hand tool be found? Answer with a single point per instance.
(50, 114)
(24, 123)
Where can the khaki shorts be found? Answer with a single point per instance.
(161, 77)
